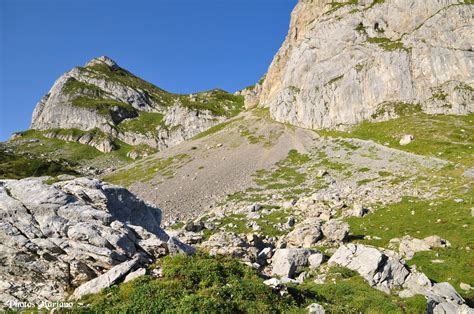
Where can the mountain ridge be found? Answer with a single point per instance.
(103, 96)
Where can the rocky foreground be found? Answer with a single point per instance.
(79, 233)
(83, 235)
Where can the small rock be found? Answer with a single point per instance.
(406, 139)
(286, 280)
(273, 283)
(321, 173)
(303, 276)
(194, 226)
(315, 260)
(358, 210)
(209, 225)
(335, 231)
(291, 221)
(316, 308)
(264, 255)
(135, 274)
(406, 293)
(465, 286)
(105, 280)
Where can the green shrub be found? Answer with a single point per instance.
(14, 166)
(200, 283)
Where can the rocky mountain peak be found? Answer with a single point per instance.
(102, 60)
(102, 103)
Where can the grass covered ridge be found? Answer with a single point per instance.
(217, 101)
(16, 166)
(443, 136)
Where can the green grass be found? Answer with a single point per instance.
(101, 105)
(215, 129)
(286, 174)
(438, 136)
(193, 284)
(73, 153)
(388, 44)
(77, 133)
(217, 101)
(235, 219)
(147, 169)
(334, 80)
(455, 224)
(336, 5)
(124, 77)
(54, 148)
(145, 122)
(15, 166)
(73, 86)
(267, 223)
(398, 108)
(206, 284)
(288, 177)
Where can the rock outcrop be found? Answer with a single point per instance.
(348, 61)
(58, 236)
(113, 103)
(386, 271)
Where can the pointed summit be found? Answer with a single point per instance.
(102, 60)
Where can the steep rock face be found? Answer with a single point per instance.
(344, 62)
(56, 237)
(101, 96)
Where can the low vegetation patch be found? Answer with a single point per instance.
(101, 105)
(147, 169)
(14, 166)
(442, 136)
(422, 218)
(388, 44)
(206, 284)
(146, 122)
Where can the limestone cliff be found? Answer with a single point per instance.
(347, 61)
(104, 103)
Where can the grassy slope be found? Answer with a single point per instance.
(443, 136)
(37, 147)
(217, 284)
(218, 102)
(17, 166)
(446, 137)
(147, 169)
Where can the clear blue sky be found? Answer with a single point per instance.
(182, 46)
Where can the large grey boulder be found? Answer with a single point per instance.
(306, 234)
(409, 245)
(335, 231)
(59, 236)
(385, 270)
(226, 243)
(105, 280)
(340, 65)
(382, 271)
(285, 262)
(314, 231)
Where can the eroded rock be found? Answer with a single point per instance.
(57, 237)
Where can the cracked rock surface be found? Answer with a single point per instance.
(343, 63)
(55, 237)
